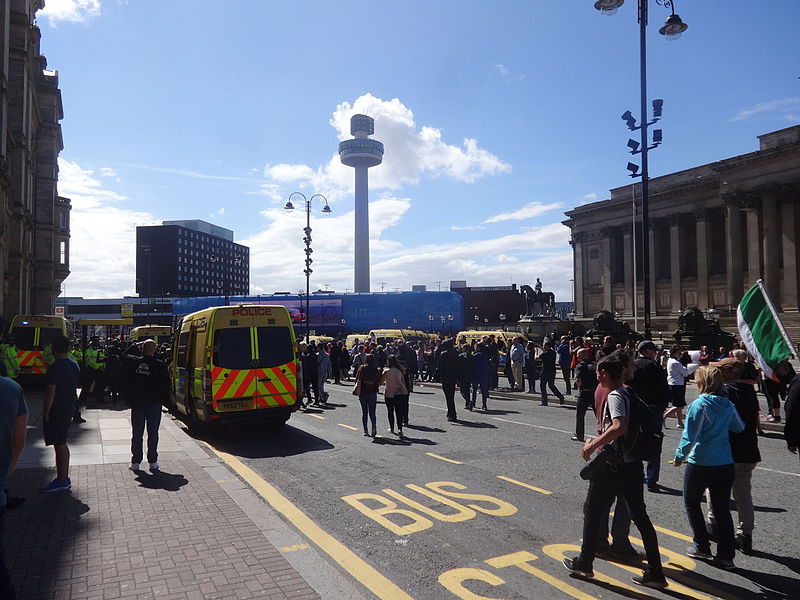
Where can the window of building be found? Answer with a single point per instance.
(64, 215)
(62, 251)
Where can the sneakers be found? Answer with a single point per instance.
(56, 486)
(696, 552)
(744, 543)
(575, 438)
(648, 579)
(576, 568)
(154, 466)
(723, 563)
(627, 556)
(135, 467)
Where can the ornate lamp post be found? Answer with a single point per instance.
(477, 322)
(450, 324)
(503, 320)
(307, 239)
(672, 29)
(430, 321)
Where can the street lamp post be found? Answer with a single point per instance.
(477, 322)
(430, 320)
(450, 324)
(672, 29)
(503, 320)
(307, 239)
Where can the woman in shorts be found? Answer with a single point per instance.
(676, 378)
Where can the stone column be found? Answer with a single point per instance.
(733, 230)
(606, 273)
(703, 247)
(771, 239)
(753, 251)
(789, 248)
(675, 261)
(628, 252)
(577, 271)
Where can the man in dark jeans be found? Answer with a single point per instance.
(148, 388)
(448, 373)
(548, 376)
(624, 479)
(585, 383)
(650, 384)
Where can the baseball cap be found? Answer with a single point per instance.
(646, 345)
(731, 368)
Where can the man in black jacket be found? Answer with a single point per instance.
(148, 388)
(548, 375)
(650, 383)
(448, 374)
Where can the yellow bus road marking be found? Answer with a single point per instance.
(317, 416)
(365, 573)
(347, 426)
(525, 485)
(294, 548)
(675, 534)
(450, 460)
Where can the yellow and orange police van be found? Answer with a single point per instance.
(236, 364)
(161, 334)
(32, 336)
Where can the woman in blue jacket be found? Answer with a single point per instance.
(705, 448)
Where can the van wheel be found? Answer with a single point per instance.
(195, 424)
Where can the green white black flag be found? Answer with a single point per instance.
(761, 329)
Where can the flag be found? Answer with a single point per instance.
(761, 329)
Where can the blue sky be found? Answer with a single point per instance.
(496, 117)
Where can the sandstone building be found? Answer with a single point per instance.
(34, 219)
(715, 230)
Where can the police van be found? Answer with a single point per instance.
(161, 334)
(32, 337)
(236, 364)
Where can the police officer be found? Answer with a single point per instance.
(8, 356)
(95, 359)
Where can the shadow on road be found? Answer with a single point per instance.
(258, 442)
(475, 424)
(425, 428)
(406, 441)
(497, 411)
(161, 480)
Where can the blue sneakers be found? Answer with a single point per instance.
(57, 486)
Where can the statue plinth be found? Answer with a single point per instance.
(538, 327)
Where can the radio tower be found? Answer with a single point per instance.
(361, 154)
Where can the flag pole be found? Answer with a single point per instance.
(772, 309)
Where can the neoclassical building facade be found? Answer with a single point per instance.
(714, 231)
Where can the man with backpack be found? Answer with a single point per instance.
(585, 383)
(650, 384)
(625, 430)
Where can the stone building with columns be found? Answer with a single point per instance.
(714, 231)
(34, 219)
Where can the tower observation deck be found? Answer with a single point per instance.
(361, 153)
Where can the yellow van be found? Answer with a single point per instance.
(161, 334)
(386, 336)
(32, 334)
(236, 364)
(350, 340)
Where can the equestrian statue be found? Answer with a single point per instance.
(545, 300)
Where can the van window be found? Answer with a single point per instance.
(23, 337)
(232, 348)
(184, 337)
(47, 334)
(274, 346)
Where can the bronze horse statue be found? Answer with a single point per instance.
(545, 300)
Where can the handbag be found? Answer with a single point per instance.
(357, 389)
(601, 465)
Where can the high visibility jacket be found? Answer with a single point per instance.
(95, 358)
(47, 355)
(76, 354)
(8, 354)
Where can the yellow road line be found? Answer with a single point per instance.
(317, 416)
(675, 534)
(525, 485)
(450, 460)
(293, 548)
(348, 426)
(365, 573)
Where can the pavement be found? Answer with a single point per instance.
(189, 531)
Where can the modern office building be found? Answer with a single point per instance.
(715, 230)
(34, 219)
(190, 258)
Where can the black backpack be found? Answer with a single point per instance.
(643, 437)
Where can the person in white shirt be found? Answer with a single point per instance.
(676, 379)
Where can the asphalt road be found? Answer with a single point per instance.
(488, 506)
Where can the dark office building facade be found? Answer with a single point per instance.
(190, 258)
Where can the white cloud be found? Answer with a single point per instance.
(411, 153)
(217, 213)
(530, 210)
(590, 197)
(107, 172)
(102, 235)
(466, 227)
(501, 69)
(505, 258)
(185, 173)
(72, 11)
(783, 105)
